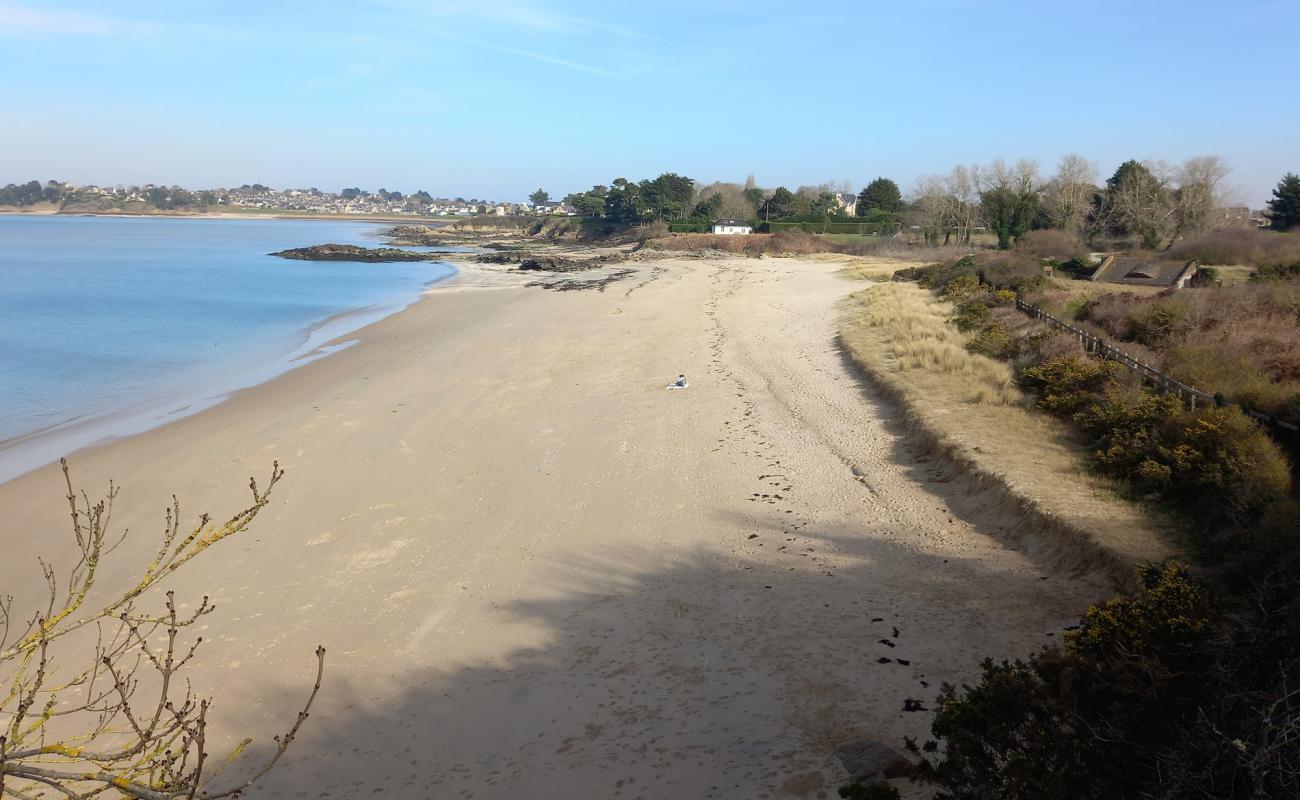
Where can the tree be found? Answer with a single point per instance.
(1137, 202)
(351, 193)
(1067, 196)
(590, 203)
(709, 208)
(668, 196)
(124, 720)
(1197, 195)
(1009, 199)
(623, 203)
(1284, 208)
(929, 208)
(780, 204)
(538, 197)
(882, 194)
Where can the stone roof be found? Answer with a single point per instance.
(1144, 271)
(734, 223)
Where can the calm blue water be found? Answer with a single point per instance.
(132, 321)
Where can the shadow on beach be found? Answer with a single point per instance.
(713, 677)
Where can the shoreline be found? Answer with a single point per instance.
(26, 452)
(239, 215)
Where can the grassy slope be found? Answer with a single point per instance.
(969, 408)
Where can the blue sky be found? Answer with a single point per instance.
(493, 99)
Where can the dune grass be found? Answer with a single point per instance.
(967, 407)
(913, 334)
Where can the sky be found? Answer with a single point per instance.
(495, 99)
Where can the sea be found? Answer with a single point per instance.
(113, 325)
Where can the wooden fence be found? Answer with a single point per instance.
(1165, 383)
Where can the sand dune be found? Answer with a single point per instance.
(540, 574)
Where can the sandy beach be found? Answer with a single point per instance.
(539, 573)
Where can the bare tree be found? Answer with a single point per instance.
(1199, 194)
(1068, 195)
(930, 208)
(734, 202)
(963, 201)
(124, 722)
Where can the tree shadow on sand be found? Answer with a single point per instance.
(717, 675)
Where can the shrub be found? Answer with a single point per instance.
(960, 287)
(1050, 243)
(1168, 693)
(1076, 267)
(1087, 721)
(1215, 464)
(1249, 247)
(970, 315)
(1014, 271)
(1066, 385)
(1243, 340)
(1277, 272)
(874, 791)
(994, 342)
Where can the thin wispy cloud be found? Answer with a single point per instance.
(22, 20)
(559, 62)
(529, 16)
(434, 19)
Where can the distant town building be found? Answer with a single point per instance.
(730, 227)
(846, 203)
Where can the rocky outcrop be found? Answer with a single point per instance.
(549, 263)
(351, 252)
(420, 235)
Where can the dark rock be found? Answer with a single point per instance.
(913, 705)
(871, 759)
(350, 252)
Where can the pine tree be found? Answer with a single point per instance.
(1284, 208)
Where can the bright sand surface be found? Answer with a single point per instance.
(540, 574)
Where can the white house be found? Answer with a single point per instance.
(731, 226)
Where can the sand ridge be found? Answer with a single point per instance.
(537, 570)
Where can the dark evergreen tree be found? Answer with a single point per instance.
(882, 194)
(780, 204)
(1284, 208)
(709, 208)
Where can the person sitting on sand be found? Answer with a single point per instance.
(680, 383)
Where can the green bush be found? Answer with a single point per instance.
(1088, 721)
(1278, 272)
(874, 791)
(1214, 464)
(1067, 385)
(994, 342)
(1168, 693)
